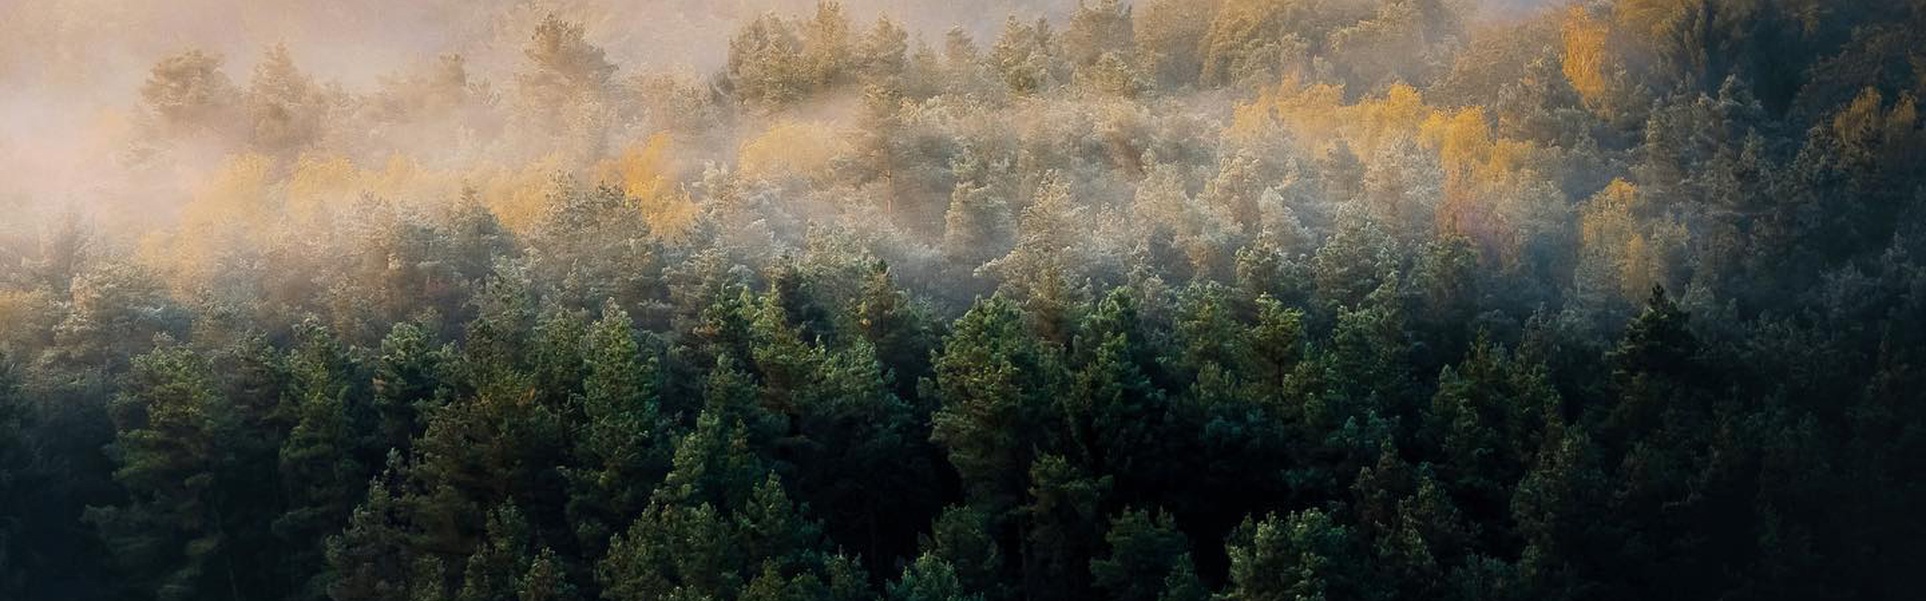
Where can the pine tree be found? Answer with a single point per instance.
(964, 538)
(287, 109)
(929, 578)
(500, 561)
(1026, 58)
(1064, 525)
(546, 580)
(168, 538)
(189, 93)
(1301, 556)
(1489, 417)
(17, 473)
(882, 54)
(372, 559)
(1146, 553)
(622, 447)
(407, 384)
(1096, 30)
(671, 552)
(991, 380)
(563, 71)
(898, 330)
(321, 462)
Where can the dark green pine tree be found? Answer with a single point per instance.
(1488, 420)
(713, 464)
(1356, 395)
(930, 578)
(1556, 508)
(772, 530)
(1415, 533)
(899, 330)
(555, 360)
(481, 452)
(777, 534)
(1182, 584)
(862, 456)
(997, 396)
(546, 580)
(499, 342)
(694, 543)
(495, 570)
(1148, 559)
(963, 537)
(18, 475)
(1205, 332)
(1682, 473)
(1305, 555)
(372, 559)
(1063, 525)
(784, 353)
(722, 327)
(1656, 370)
(1124, 424)
(671, 552)
(407, 384)
(621, 447)
(321, 467)
(734, 397)
(1276, 343)
(170, 537)
(1367, 367)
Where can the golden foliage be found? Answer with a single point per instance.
(1379, 121)
(318, 184)
(801, 149)
(1485, 175)
(1613, 235)
(1316, 117)
(1650, 19)
(404, 179)
(641, 171)
(236, 198)
(1480, 170)
(232, 208)
(1587, 58)
(1468, 149)
(1308, 113)
(645, 173)
(519, 197)
(1865, 129)
(22, 314)
(1463, 139)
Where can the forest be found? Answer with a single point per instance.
(1134, 300)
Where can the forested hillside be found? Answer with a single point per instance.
(1153, 300)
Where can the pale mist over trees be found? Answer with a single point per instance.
(1145, 300)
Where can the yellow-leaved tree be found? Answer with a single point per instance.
(319, 185)
(518, 197)
(1617, 242)
(234, 208)
(646, 175)
(1587, 59)
(792, 149)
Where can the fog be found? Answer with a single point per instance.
(931, 300)
(70, 70)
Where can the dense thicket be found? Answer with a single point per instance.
(1175, 300)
